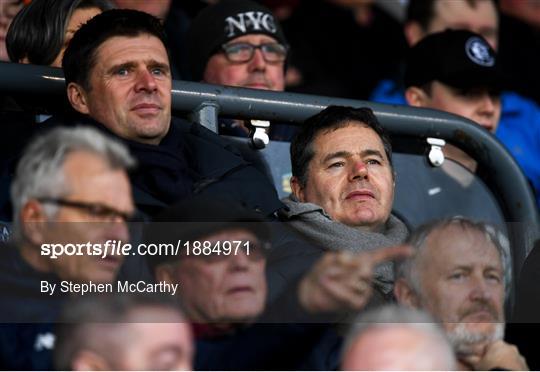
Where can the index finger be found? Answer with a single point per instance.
(380, 255)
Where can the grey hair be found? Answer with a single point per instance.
(407, 269)
(392, 316)
(89, 322)
(40, 174)
(462, 339)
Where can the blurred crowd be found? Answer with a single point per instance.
(330, 277)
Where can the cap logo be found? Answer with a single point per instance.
(249, 22)
(478, 51)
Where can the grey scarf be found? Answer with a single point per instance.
(313, 222)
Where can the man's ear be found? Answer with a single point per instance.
(405, 295)
(77, 98)
(413, 32)
(87, 360)
(33, 218)
(416, 97)
(297, 189)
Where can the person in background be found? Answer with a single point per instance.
(130, 332)
(32, 40)
(219, 288)
(458, 72)
(38, 35)
(519, 126)
(460, 274)
(454, 71)
(395, 338)
(70, 187)
(8, 11)
(221, 270)
(239, 43)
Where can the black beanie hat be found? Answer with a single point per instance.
(228, 19)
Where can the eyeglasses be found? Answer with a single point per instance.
(99, 211)
(244, 52)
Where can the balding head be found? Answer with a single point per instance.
(394, 338)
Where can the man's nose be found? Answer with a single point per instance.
(358, 170)
(258, 62)
(239, 259)
(117, 229)
(488, 104)
(145, 81)
(480, 289)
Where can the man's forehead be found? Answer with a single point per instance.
(454, 245)
(459, 92)
(330, 140)
(351, 125)
(88, 161)
(253, 38)
(137, 44)
(454, 11)
(150, 313)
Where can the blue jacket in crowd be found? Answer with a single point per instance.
(519, 127)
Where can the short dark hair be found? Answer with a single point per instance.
(328, 120)
(423, 11)
(37, 31)
(80, 55)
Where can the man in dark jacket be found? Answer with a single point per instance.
(221, 269)
(70, 188)
(118, 79)
(117, 73)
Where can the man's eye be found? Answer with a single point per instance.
(470, 93)
(238, 48)
(494, 277)
(457, 276)
(122, 71)
(158, 71)
(337, 164)
(100, 211)
(373, 162)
